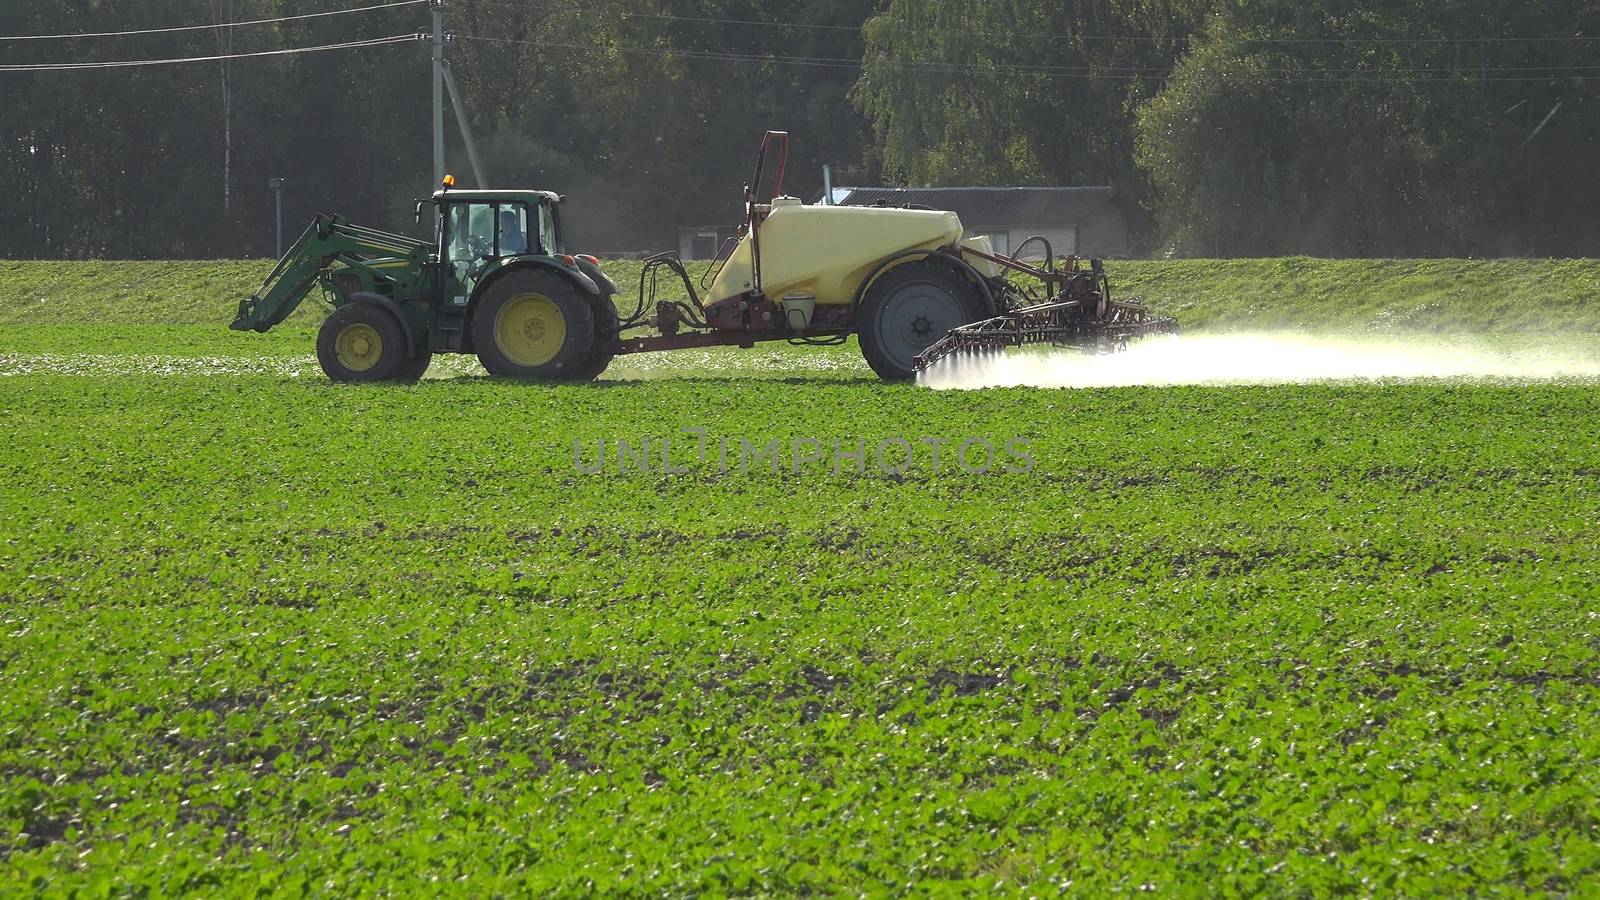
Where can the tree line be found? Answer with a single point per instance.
(1271, 127)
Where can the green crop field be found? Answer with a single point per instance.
(262, 633)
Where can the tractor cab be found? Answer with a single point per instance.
(478, 232)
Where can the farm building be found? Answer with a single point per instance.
(703, 241)
(1086, 221)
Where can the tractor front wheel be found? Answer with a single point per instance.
(906, 309)
(417, 365)
(362, 342)
(533, 324)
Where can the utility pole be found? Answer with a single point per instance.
(438, 90)
(276, 184)
(222, 11)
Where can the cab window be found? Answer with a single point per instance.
(489, 230)
(513, 219)
(471, 231)
(547, 230)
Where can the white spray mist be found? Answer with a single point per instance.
(1265, 358)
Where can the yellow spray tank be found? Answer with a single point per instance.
(807, 269)
(826, 251)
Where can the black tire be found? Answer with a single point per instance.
(361, 342)
(604, 348)
(533, 324)
(417, 365)
(908, 308)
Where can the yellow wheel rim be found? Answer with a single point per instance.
(530, 329)
(358, 347)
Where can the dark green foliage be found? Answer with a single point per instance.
(607, 102)
(1244, 129)
(1016, 92)
(129, 163)
(1342, 129)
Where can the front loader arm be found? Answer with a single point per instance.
(327, 240)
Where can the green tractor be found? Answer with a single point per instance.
(497, 282)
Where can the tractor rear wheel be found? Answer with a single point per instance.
(605, 339)
(533, 324)
(908, 308)
(362, 342)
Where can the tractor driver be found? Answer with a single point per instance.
(512, 240)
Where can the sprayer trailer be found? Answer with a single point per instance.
(497, 281)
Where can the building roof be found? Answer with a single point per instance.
(1062, 207)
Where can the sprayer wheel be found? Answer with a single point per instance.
(907, 309)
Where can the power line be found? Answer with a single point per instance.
(1085, 71)
(842, 28)
(1476, 74)
(129, 63)
(1132, 38)
(1501, 39)
(816, 61)
(1136, 37)
(99, 34)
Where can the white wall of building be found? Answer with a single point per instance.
(1106, 234)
